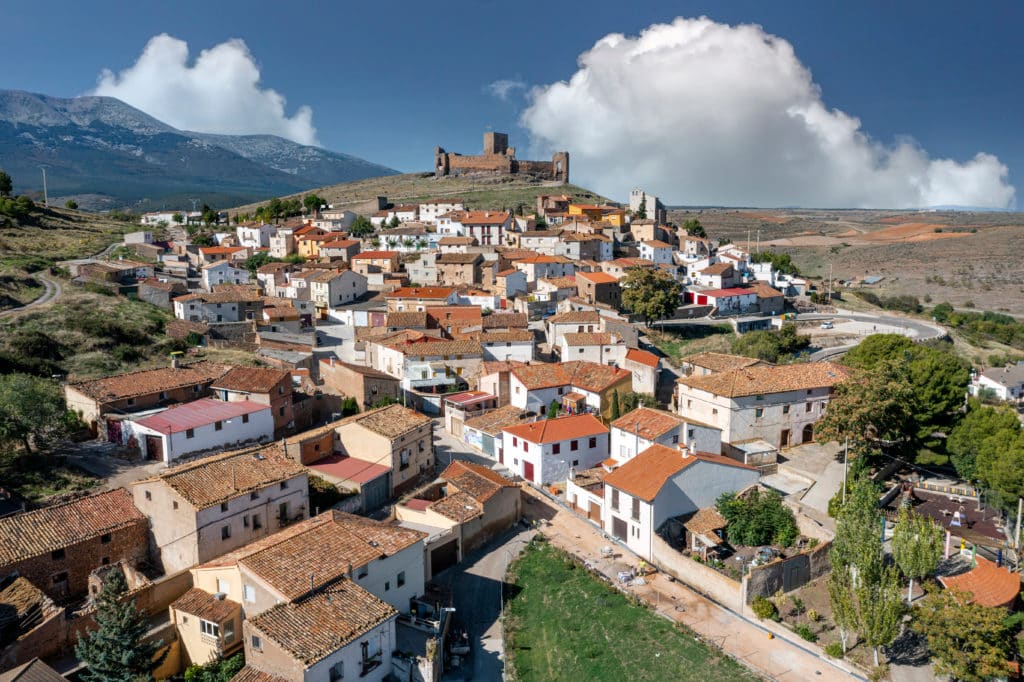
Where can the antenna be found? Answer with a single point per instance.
(46, 201)
(194, 202)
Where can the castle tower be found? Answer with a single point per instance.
(495, 143)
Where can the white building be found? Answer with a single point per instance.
(645, 368)
(200, 426)
(601, 347)
(657, 251)
(331, 289)
(516, 344)
(544, 451)
(223, 272)
(662, 483)
(487, 227)
(255, 236)
(777, 404)
(433, 209)
(635, 431)
(1007, 383)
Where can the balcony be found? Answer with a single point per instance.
(370, 664)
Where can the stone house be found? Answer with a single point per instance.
(394, 436)
(159, 293)
(599, 287)
(263, 385)
(368, 262)
(367, 385)
(457, 269)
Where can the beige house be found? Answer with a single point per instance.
(394, 436)
(369, 262)
(209, 626)
(456, 269)
(367, 385)
(645, 368)
(204, 509)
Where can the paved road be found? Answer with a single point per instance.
(477, 586)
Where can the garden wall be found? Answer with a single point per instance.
(789, 574)
(705, 579)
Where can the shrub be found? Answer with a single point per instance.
(804, 631)
(834, 649)
(764, 609)
(757, 518)
(813, 616)
(798, 604)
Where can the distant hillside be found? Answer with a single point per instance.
(107, 154)
(507, 191)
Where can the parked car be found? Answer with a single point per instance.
(827, 324)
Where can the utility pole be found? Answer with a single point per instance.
(46, 201)
(829, 282)
(1016, 533)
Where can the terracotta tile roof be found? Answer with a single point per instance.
(720, 362)
(598, 277)
(728, 293)
(440, 293)
(132, 384)
(758, 380)
(480, 217)
(22, 597)
(479, 482)
(459, 507)
(642, 357)
(30, 534)
(429, 346)
(543, 259)
(764, 291)
(250, 674)
(360, 369)
(459, 258)
(390, 421)
(556, 232)
(313, 628)
(456, 241)
(269, 268)
(506, 321)
(33, 671)
(340, 244)
(648, 423)
(591, 376)
(576, 317)
(203, 605)
(492, 366)
(589, 339)
(251, 379)
(559, 282)
(646, 474)
(407, 320)
(511, 336)
(330, 545)
(988, 584)
(560, 429)
(376, 255)
(220, 296)
(506, 273)
(705, 522)
(213, 480)
(657, 244)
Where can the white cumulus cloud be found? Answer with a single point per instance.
(699, 112)
(504, 87)
(220, 92)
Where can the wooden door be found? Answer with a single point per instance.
(154, 448)
(594, 514)
(528, 471)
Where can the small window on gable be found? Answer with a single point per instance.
(105, 538)
(245, 419)
(57, 554)
(149, 495)
(223, 506)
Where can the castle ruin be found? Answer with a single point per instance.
(500, 159)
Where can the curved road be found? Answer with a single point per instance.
(52, 288)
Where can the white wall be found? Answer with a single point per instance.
(510, 350)
(549, 467)
(384, 572)
(207, 437)
(739, 419)
(381, 638)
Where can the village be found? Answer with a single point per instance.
(437, 381)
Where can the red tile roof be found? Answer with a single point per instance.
(204, 605)
(479, 482)
(648, 423)
(376, 255)
(717, 269)
(198, 413)
(598, 277)
(590, 376)
(642, 357)
(646, 474)
(133, 384)
(758, 380)
(988, 584)
(440, 293)
(251, 379)
(726, 293)
(560, 429)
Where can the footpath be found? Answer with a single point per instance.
(768, 649)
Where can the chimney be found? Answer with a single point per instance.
(174, 361)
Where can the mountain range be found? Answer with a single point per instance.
(107, 154)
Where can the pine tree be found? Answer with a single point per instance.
(553, 409)
(115, 652)
(615, 404)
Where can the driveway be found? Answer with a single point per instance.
(477, 586)
(99, 459)
(447, 448)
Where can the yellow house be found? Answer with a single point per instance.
(615, 217)
(591, 211)
(209, 626)
(308, 240)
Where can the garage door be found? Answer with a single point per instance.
(618, 528)
(444, 557)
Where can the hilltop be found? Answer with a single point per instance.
(107, 154)
(499, 191)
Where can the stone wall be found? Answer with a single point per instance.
(704, 579)
(789, 574)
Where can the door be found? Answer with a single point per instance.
(154, 448)
(444, 557)
(594, 514)
(618, 528)
(457, 428)
(808, 434)
(784, 439)
(528, 471)
(114, 431)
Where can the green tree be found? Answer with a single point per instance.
(615, 407)
(878, 348)
(258, 260)
(6, 185)
(781, 262)
(349, 406)
(1000, 462)
(967, 641)
(274, 209)
(115, 650)
(178, 217)
(312, 203)
(633, 400)
(916, 547)
(857, 542)
(72, 204)
(553, 409)
(695, 229)
(771, 345)
(641, 210)
(209, 215)
(395, 222)
(878, 610)
(650, 293)
(220, 670)
(361, 227)
(757, 518)
(966, 438)
(32, 410)
(844, 609)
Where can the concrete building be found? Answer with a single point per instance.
(643, 427)
(600, 347)
(263, 385)
(208, 626)
(223, 272)
(546, 450)
(645, 368)
(1005, 383)
(656, 251)
(419, 299)
(599, 287)
(644, 205)
(255, 236)
(433, 209)
(367, 262)
(207, 508)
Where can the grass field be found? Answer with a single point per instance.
(565, 624)
(681, 341)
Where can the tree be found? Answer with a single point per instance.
(650, 293)
(916, 546)
(220, 670)
(844, 610)
(178, 217)
(72, 204)
(553, 409)
(857, 542)
(757, 518)
(361, 227)
(695, 229)
(312, 203)
(1000, 461)
(395, 222)
(781, 262)
(968, 642)
(115, 651)
(32, 410)
(771, 345)
(615, 407)
(878, 610)
(966, 438)
(633, 400)
(6, 185)
(258, 260)
(641, 210)
(209, 215)
(274, 209)
(877, 348)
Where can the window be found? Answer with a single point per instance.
(387, 585)
(556, 448)
(131, 401)
(217, 426)
(223, 506)
(245, 521)
(284, 485)
(515, 441)
(615, 499)
(195, 389)
(208, 628)
(760, 397)
(222, 586)
(689, 403)
(280, 411)
(189, 433)
(256, 522)
(105, 560)
(807, 407)
(61, 577)
(174, 504)
(225, 532)
(256, 643)
(808, 391)
(249, 593)
(254, 495)
(245, 419)
(363, 571)
(714, 411)
(403, 459)
(574, 445)
(163, 395)
(401, 578)
(636, 508)
(149, 495)
(337, 671)
(57, 554)
(675, 439)
(593, 442)
(575, 462)
(758, 413)
(785, 409)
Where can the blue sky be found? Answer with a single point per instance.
(388, 80)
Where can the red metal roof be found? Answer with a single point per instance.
(198, 413)
(349, 469)
(469, 398)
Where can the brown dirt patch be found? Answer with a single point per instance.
(910, 232)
